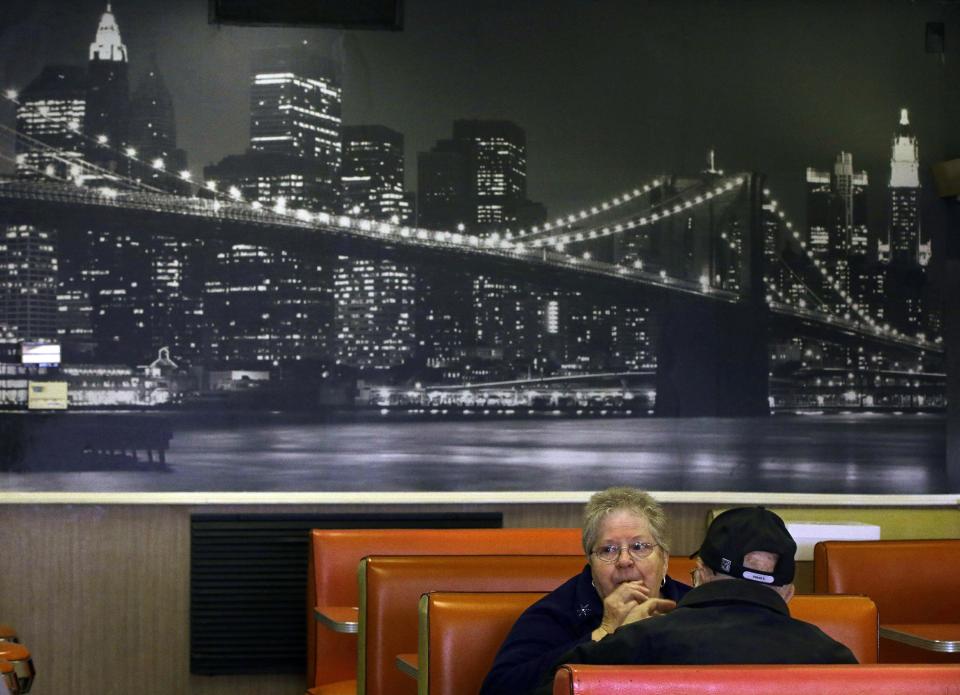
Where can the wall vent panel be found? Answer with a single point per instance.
(248, 584)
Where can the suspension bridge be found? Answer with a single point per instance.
(718, 277)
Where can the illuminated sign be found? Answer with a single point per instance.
(47, 354)
(47, 395)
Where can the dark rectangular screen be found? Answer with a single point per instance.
(343, 14)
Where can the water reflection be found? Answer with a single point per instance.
(829, 454)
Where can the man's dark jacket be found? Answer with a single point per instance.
(731, 621)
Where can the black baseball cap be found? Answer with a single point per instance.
(736, 532)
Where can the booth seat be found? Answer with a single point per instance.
(459, 635)
(845, 679)
(851, 620)
(460, 632)
(332, 579)
(8, 679)
(911, 581)
(19, 658)
(476, 623)
(390, 590)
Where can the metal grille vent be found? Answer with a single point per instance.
(248, 583)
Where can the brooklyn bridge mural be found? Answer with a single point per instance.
(685, 246)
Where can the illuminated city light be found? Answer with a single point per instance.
(102, 139)
(131, 152)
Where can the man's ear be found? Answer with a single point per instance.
(787, 591)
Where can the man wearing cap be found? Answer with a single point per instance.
(735, 614)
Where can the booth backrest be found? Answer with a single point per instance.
(390, 591)
(846, 679)
(851, 620)
(455, 624)
(459, 636)
(679, 568)
(335, 555)
(910, 581)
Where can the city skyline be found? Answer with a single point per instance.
(295, 137)
(353, 307)
(199, 94)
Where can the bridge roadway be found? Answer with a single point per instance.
(381, 233)
(31, 196)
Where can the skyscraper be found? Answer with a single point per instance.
(153, 132)
(903, 226)
(51, 110)
(837, 231)
(850, 189)
(28, 282)
(375, 298)
(295, 142)
(819, 198)
(478, 176)
(264, 306)
(497, 160)
(443, 188)
(372, 172)
(295, 104)
(107, 112)
(374, 319)
(906, 277)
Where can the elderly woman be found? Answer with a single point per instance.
(624, 538)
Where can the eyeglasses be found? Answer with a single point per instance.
(638, 550)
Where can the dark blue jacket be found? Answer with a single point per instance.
(549, 629)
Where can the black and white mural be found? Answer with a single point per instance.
(515, 246)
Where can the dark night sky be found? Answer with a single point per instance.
(609, 93)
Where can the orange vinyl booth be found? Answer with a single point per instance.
(911, 581)
(390, 590)
(332, 580)
(456, 624)
(476, 623)
(8, 679)
(842, 679)
(19, 658)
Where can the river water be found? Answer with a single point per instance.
(836, 453)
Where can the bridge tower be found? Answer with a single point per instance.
(712, 356)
